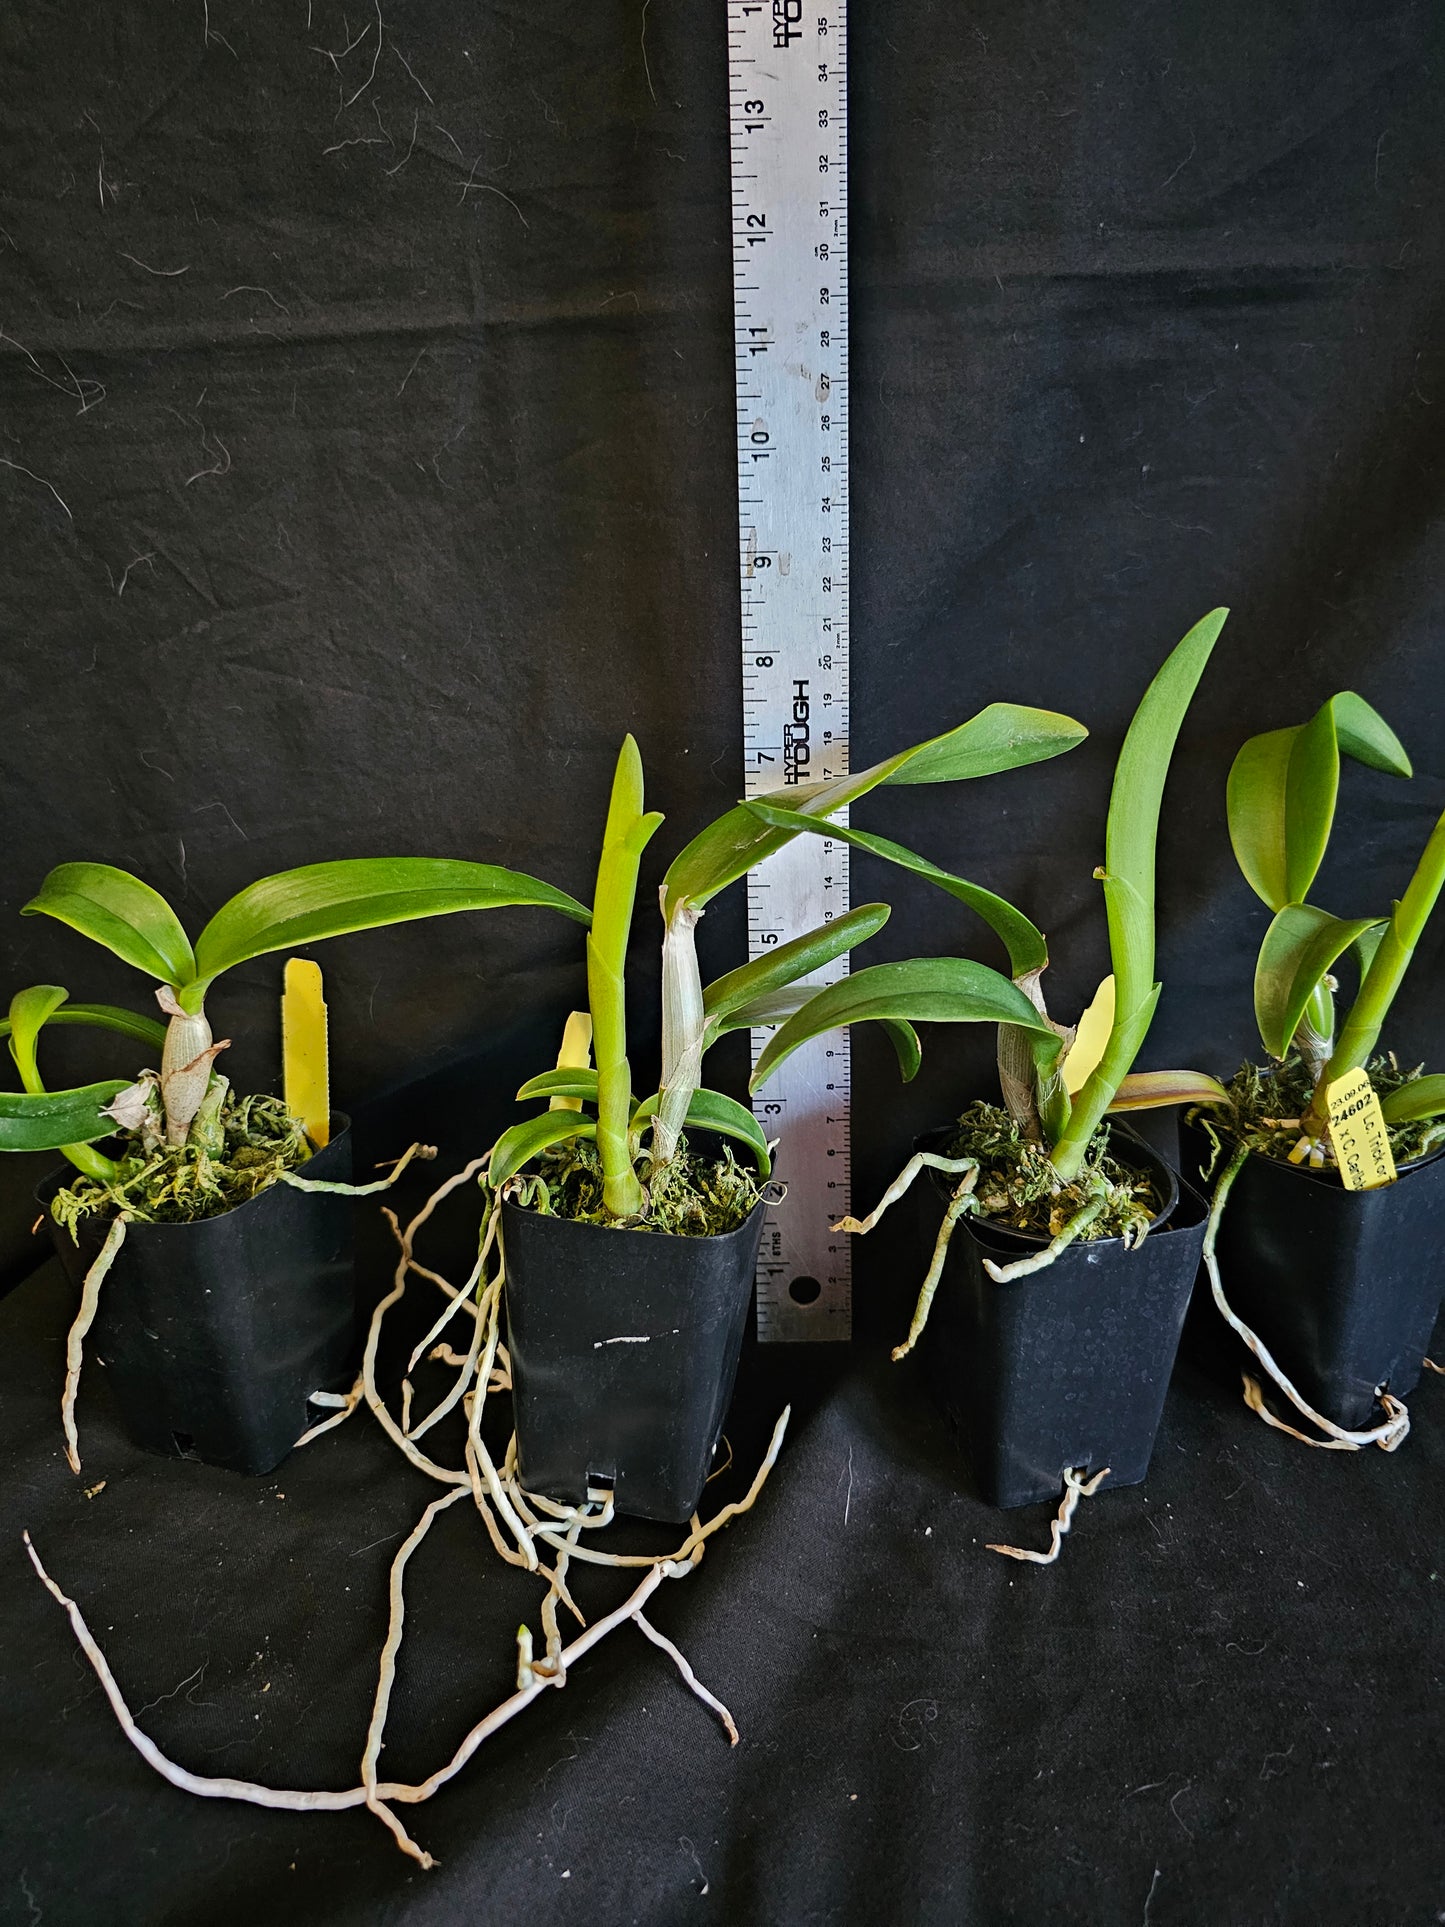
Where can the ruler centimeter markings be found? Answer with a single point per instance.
(787, 78)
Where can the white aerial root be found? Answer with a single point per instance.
(963, 1200)
(347, 1403)
(689, 1676)
(1076, 1487)
(457, 1300)
(376, 1794)
(115, 1237)
(75, 1340)
(1389, 1435)
(1024, 1267)
(387, 1675)
(522, 1527)
(1431, 1366)
(951, 1167)
(299, 1183)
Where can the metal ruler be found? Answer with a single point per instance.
(788, 87)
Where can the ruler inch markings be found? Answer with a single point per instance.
(787, 90)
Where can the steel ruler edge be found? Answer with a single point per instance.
(788, 93)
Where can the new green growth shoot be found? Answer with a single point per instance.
(1282, 794)
(766, 991)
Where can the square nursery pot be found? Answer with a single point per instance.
(214, 1334)
(1067, 1367)
(1342, 1286)
(624, 1348)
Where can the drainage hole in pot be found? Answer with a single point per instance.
(805, 1291)
(185, 1445)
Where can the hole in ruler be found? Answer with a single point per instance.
(805, 1291)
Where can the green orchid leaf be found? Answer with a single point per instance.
(127, 1023)
(1421, 1097)
(1255, 804)
(303, 906)
(624, 838)
(1025, 944)
(712, 1111)
(1369, 943)
(1128, 876)
(581, 1081)
(1298, 948)
(785, 963)
(1003, 736)
(523, 1141)
(116, 909)
(906, 1047)
(1151, 1090)
(1364, 734)
(1311, 789)
(1283, 788)
(50, 1120)
(1131, 940)
(763, 1013)
(1134, 804)
(940, 990)
(30, 1011)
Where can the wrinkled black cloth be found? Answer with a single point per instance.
(1220, 1703)
(366, 414)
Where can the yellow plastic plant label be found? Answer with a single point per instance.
(1090, 1039)
(305, 1065)
(575, 1055)
(1357, 1131)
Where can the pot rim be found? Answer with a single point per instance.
(46, 1189)
(1038, 1240)
(633, 1231)
(1330, 1179)
(764, 1203)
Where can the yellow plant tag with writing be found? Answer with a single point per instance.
(1357, 1131)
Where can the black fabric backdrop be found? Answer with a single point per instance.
(367, 471)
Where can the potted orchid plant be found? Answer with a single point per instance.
(1329, 1155)
(1066, 1292)
(220, 1229)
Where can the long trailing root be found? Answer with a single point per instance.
(319, 1801)
(75, 1339)
(1076, 1487)
(386, 1677)
(375, 1794)
(522, 1526)
(1389, 1435)
(960, 1204)
(1075, 1228)
(1431, 1366)
(360, 1190)
(1396, 1414)
(951, 1167)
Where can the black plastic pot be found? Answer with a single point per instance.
(1342, 1286)
(1068, 1367)
(214, 1334)
(624, 1347)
